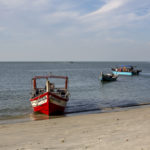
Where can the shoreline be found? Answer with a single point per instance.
(36, 117)
(119, 130)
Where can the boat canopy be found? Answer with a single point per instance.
(127, 66)
(50, 76)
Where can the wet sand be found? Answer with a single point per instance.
(123, 130)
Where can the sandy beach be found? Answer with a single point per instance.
(123, 130)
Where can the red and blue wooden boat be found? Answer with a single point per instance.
(49, 100)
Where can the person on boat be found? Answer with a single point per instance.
(120, 69)
(131, 68)
(35, 92)
(52, 86)
(124, 69)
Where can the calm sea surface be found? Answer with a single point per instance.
(87, 93)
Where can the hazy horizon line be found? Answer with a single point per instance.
(70, 61)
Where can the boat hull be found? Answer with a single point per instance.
(107, 79)
(49, 104)
(123, 73)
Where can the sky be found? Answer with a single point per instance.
(74, 30)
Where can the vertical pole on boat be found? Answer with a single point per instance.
(47, 86)
(34, 83)
(66, 84)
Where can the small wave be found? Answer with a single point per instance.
(82, 111)
(133, 105)
(145, 74)
(106, 108)
(13, 110)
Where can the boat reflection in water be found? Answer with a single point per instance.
(39, 116)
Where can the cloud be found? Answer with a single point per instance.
(116, 14)
(98, 19)
(12, 3)
(40, 2)
(120, 40)
(108, 7)
(73, 28)
(2, 28)
(62, 16)
(134, 17)
(148, 43)
(24, 4)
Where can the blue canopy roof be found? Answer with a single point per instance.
(129, 66)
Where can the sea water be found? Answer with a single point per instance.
(88, 94)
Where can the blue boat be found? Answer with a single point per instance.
(122, 73)
(128, 70)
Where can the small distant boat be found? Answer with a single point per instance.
(108, 77)
(49, 100)
(126, 70)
